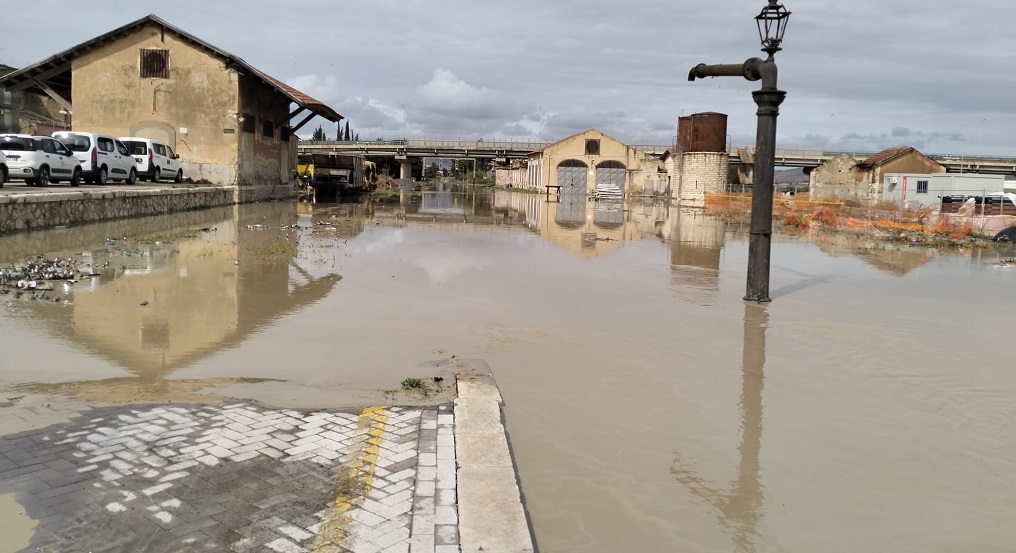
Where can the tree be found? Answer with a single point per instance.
(348, 136)
(319, 134)
(431, 172)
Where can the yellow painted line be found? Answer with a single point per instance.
(352, 483)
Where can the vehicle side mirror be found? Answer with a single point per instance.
(176, 156)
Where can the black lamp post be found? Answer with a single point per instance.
(772, 22)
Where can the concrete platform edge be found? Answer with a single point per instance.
(492, 514)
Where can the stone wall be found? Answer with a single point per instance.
(698, 173)
(25, 212)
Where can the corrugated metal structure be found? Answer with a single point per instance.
(702, 132)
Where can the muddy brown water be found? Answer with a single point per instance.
(870, 407)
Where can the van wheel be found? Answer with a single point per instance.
(76, 177)
(43, 178)
(132, 176)
(103, 176)
(179, 177)
(156, 175)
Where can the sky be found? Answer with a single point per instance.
(860, 76)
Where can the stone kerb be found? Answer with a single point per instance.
(492, 518)
(22, 212)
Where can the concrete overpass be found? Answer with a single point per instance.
(503, 150)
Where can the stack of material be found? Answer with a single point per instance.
(608, 191)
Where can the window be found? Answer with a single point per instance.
(922, 187)
(137, 147)
(45, 145)
(268, 129)
(592, 147)
(60, 148)
(122, 149)
(248, 124)
(169, 153)
(159, 149)
(154, 63)
(105, 144)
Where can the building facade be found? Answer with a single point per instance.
(583, 163)
(845, 177)
(229, 122)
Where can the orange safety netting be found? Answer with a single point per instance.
(804, 212)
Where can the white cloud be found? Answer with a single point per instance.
(447, 94)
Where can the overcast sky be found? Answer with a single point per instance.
(860, 75)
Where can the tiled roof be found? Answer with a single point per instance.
(886, 155)
(58, 65)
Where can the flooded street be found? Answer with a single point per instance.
(870, 407)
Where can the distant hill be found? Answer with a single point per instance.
(790, 176)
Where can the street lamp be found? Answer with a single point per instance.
(772, 23)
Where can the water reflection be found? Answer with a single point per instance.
(583, 227)
(696, 247)
(153, 313)
(740, 503)
(890, 258)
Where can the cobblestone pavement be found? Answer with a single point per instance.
(238, 478)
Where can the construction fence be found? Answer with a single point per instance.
(957, 215)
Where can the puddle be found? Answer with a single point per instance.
(18, 526)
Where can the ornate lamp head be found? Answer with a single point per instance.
(772, 23)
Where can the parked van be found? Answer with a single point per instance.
(154, 160)
(103, 158)
(39, 160)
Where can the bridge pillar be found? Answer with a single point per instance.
(405, 169)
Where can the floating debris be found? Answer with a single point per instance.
(39, 268)
(257, 227)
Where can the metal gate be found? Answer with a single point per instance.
(571, 177)
(610, 174)
(570, 211)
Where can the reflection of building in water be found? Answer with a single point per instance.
(209, 293)
(888, 258)
(696, 245)
(583, 227)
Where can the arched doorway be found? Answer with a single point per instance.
(610, 177)
(571, 176)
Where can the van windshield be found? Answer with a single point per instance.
(75, 142)
(136, 147)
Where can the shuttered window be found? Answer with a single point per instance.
(154, 63)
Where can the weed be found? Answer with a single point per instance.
(416, 385)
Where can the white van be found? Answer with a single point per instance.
(154, 160)
(103, 158)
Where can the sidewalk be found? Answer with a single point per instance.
(244, 478)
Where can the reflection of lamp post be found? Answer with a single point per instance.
(740, 504)
(772, 22)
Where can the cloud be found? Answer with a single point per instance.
(446, 94)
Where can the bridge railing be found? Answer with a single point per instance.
(516, 145)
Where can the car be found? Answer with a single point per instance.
(154, 159)
(39, 160)
(3, 169)
(103, 158)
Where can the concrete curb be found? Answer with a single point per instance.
(492, 518)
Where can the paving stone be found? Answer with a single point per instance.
(209, 478)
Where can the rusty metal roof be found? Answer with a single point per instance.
(56, 69)
(886, 156)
